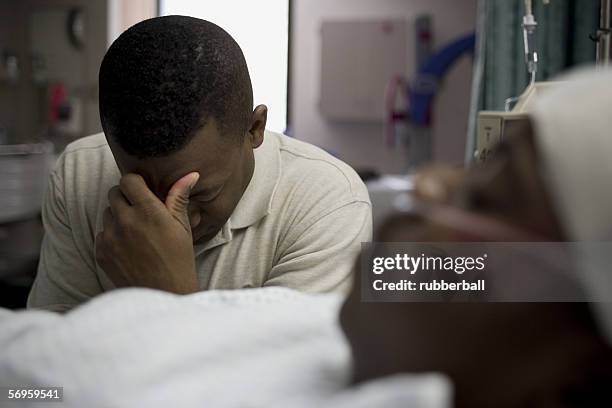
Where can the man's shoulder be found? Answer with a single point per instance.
(316, 169)
(94, 144)
(86, 154)
(86, 166)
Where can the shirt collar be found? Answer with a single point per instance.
(256, 201)
(222, 237)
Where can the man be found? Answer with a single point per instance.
(185, 190)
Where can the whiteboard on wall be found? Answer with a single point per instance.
(358, 59)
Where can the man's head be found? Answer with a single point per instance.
(176, 97)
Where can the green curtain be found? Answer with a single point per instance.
(500, 72)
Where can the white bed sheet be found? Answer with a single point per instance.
(243, 348)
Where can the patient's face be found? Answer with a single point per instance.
(483, 348)
(460, 339)
(392, 337)
(225, 164)
(388, 338)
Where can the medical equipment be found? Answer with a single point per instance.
(25, 169)
(604, 35)
(358, 57)
(494, 125)
(412, 122)
(530, 45)
(530, 40)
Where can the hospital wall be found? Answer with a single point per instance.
(22, 113)
(361, 144)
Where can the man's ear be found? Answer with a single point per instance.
(258, 126)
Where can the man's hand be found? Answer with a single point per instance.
(145, 241)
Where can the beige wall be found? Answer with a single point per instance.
(362, 145)
(134, 11)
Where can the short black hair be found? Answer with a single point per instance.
(162, 80)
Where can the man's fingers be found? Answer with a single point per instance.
(177, 200)
(107, 219)
(136, 190)
(99, 248)
(117, 201)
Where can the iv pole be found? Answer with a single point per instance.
(603, 35)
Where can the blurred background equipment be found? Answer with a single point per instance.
(24, 169)
(509, 58)
(353, 81)
(604, 36)
(415, 120)
(530, 39)
(493, 125)
(430, 25)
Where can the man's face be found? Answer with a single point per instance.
(225, 164)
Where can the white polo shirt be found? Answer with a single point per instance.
(299, 224)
